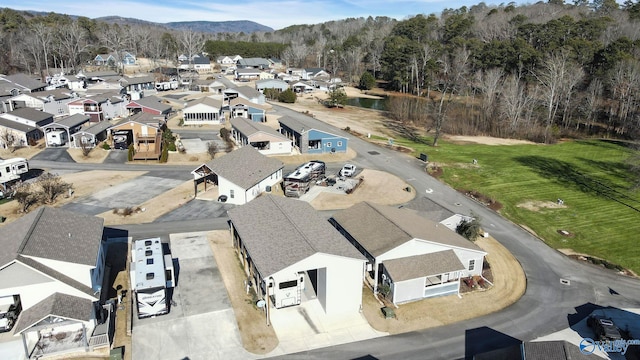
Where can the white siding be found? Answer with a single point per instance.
(34, 293)
(278, 148)
(78, 272)
(409, 290)
(339, 284)
(240, 195)
(30, 101)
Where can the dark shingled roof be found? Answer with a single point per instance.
(71, 121)
(538, 350)
(279, 232)
(25, 81)
(429, 209)
(293, 124)
(380, 228)
(16, 125)
(54, 234)
(97, 128)
(247, 91)
(417, 266)
(151, 102)
(245, 167)
(206, 101)
(31, 114)
(60, 305)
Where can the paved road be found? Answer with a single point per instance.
(547, 306)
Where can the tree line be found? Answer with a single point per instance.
(538, 71)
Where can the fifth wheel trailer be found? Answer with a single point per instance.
(151, 274)
(11, 170)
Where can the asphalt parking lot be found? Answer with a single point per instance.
(201, 323)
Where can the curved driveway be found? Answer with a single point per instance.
(547, 306)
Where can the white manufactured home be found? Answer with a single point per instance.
(152, 274)
(11, 170)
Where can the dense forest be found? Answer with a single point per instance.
(540, 71)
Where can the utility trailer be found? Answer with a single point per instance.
(151, 274)
(303, 178)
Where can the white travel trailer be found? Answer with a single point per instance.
(56, 138)
(151, 274)
(11, 170)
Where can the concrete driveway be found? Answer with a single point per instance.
(201, 323)
(128, 194)
(197, 209)
(116, 157)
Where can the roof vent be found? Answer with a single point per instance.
(69, 235)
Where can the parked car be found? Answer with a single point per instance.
(603, 328)
(348, 170)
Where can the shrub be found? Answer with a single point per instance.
(164, 156)
(470, 229)
(171, 146)
(287, 96)
(132, 152)
(367, 81)
(106, 146)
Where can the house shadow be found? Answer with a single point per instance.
(117, 255)
(484, 339)
(627, 322)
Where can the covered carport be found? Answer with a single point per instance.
(70, 125)
(303, 250)
(203, 175)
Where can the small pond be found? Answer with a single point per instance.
(375, 104)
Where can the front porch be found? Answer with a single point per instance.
(147, 147)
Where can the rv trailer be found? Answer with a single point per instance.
(56, 138)
(11, 170)
(301, 179)
(151, 275)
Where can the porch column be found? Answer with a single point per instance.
(195, 188)
(86, 340)
(24, 343)
(375, 276)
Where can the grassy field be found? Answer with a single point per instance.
(591, 177)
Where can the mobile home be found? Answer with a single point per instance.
(152, 275)
(11, 170)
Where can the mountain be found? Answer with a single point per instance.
(245, 26)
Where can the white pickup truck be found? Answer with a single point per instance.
(348, 170)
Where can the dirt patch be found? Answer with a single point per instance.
(487, 140)
(536, 205)
(96, 155)
(257, 337)
(597, 261)
(379, 187)
(509, 284)
(483, 199)
(24, 152)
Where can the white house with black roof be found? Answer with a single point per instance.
(263, 138)
(245, 92)
(412, 256)
(292, 254)
(241, 175)
(54, 260)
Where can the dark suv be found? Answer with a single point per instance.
(603, 328)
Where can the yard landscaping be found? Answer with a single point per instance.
(575, 195)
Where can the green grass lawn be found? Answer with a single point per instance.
(590, 176)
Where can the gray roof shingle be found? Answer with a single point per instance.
(245, 167)
(60, 305)
(380, 228)
(278, 232)
(72, 121)
(16, 125)
(25, 81)
(97, 128)
(31, 114)
(292, 124)
(54, 234)
(248, 127)
(151, 102)
(417, 266)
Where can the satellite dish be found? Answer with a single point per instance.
(260, 303)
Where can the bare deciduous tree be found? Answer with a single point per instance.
(72, 42)
(212, 149)
(26, 195)
(52, 186)
(8, 139)
(488, 82)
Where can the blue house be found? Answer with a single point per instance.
(311, 141)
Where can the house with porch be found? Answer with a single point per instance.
(70, 125)
(144, 131)
(409, 257)
(315, 74)
(138, 87)
(263, 138)
(302, 87)
(255, 63)
(240, 176)
(52, 101)
(90, 136)
(104, 60)
(291, 254)
(244, 92)
(277, 84)
(202, 64)
(247, 74)
(28, 116)
(216, 86)
(53, 260)
(100, 107)
(240, 107)
(225, 60)
(310, 140)
(149, 104)
(203, 111)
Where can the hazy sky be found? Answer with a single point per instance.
(276, 14)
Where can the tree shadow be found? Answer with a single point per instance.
(570, 176)
(617, 169)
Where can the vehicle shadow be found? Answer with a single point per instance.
(484, 339)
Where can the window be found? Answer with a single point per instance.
(150, 261)
(328, 144)
(150, 276)
(148, 243)
(339, 144)
(148, 252)
(472, 265)
(288, 284)
(231, 193)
